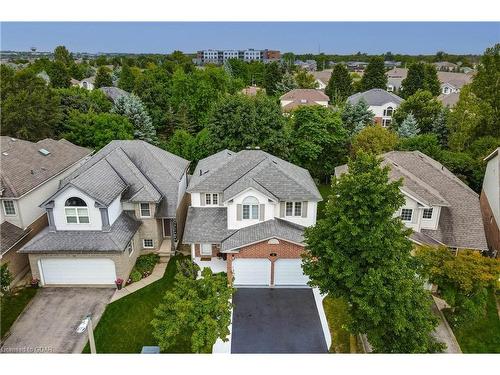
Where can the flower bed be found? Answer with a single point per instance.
(143, 267)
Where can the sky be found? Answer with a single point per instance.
(297, 37)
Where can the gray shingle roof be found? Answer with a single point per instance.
(460, 221)
(10, 235)
(113, 93)
(230, 173)
(120, 234)
(150, 173)
(24, 167)
(276, 228)
(206, 224)
(375, 97)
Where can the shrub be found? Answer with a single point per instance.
(146, 263)
(5, 277)
(135, 276)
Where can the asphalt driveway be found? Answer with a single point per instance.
(49, 323)
(276, 320)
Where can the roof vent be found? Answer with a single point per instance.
(44, 152)
(257, 147)
(248, 148)
(201, 172)
(13, 139)
(5, 153)
(303, 100)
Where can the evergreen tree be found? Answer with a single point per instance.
(62, 55)
(440, 126)
(374, 76)
(272, 76)
(132, 108)
(127, 79)
(356, 117)
(59, 75)
(421, 76)
(103, 78)
(361, 252)
(409, 127)
(286, 84)
(339, 86)
(431, 81)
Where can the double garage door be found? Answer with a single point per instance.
(77, 271)
(257, 272)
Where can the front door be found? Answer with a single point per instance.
(166, 228)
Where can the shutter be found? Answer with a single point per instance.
(221, 198)
(262, 212)
(202, 199)
(239, 212)
(304, 209)
(282, 209)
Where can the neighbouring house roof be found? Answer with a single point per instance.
(310, 95)
(323, 75)
(449, 100)
(445, 64)
(460, 222)
(74, 82)
(457, 80)
(89, 79)
(493, 154)
(10, 235)
(375, 97)
(114, 93)
(276, 228)
(25, 165)
(230, 173)
(143, 172)
(423, 239)
(120, 234)
(252, 90)
(206, 224)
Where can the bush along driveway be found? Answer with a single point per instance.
(125, 326)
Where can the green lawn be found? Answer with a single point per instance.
(13, 305)
(325, 191)
(482, 336)
(125, 325)
(337, 316)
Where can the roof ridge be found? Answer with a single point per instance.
(210, 172)
(294, 179)
(159, 161)
(244, 174)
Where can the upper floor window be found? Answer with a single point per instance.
(8, 208)
(211, 199)
(76, 211)
(446, 90)
(406, 214)
(427, 213)
(386, 122)
(145, 210)
(293, 209)
(250, 208)
(388, 111)
(130, 248)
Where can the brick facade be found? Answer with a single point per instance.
(266, 249)
(197, 251)
(491, 227)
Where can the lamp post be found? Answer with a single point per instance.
(86, 324)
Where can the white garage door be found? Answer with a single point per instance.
(289, 272)
(77, 271)
(252, 271)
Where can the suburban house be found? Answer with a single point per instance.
(380, 102)
(113, 93)
(29, 175)
(247, 217)
(252, 90)
(445, 66)
(395, 77)
(490, 202)
(297, 97)
(449, 100)
(87, 83)
(439, 207)
(129, 198)
(322, 77)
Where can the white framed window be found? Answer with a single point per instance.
(427, 213)
(145, 210)
(406, 214)
(250, 208)
(147, 243)
(211, 199)
(386, 122)
(130, 248)
(293, 209)
(9, 208)
(206, 249)
(76, 211)
(388, 111)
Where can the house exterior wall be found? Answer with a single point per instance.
(114, 210)
(491, 186)
(281, 250)
(151, 228)
(13, 219)
(232, 223)
(60, 217)
(416, 215)
(181, 191)
(323, 103)
(491, 225)
(433, 222)
(309, 220)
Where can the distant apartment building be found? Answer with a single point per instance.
(219, 57)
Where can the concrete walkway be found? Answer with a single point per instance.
(156, 275)
(443, 332)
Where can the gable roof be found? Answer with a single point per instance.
(114, 93)
(24, 167)
(146, 173)
(458, 80)
(10, 235)
(231, 173)
(311, 95)
(323, 75)
(460, 222)
(375, 97)
(449, 100)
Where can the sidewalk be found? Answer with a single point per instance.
(443, 332)
(156, 275)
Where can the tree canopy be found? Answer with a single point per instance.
(374, 139)
(103, 78)
(423, 106)
(374, 76)
(339, 86)
(420, 76)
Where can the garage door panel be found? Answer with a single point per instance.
(289, 272)
(78, 271)
(252, 271)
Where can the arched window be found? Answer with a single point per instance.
(388, 111)
(76, 211)
(250, 208)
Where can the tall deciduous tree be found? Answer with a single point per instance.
(374, 139)
(272, 76)
(420, 76)
(200, 308)
(61, 54)
(305, 80)
(59, 75)
(424, 107)
(374, 76)
(339, 86)
(360, 252)
(317, 140)
(127, 79)
(132, 108)
(103, 78)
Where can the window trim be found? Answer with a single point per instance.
(250, 207)
(131, 246)
(411, 214)
(76, 208)
(13, 207)
(386, 109)
(294, 204)
(423, 213)
(140, 209)
(211, 199)
(144, 243)
(201, 249)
